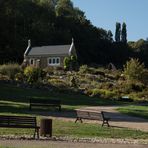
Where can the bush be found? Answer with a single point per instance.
(49, 70)
(10, 70)
(19, 76)
(133, 69)
(84, 69)
(70, 63)
(33, 74)
(66, 63)
(101, 93)
(132, 86)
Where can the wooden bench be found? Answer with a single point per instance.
(92, 115)
(45, 102)
(19, 122)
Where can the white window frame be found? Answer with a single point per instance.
(33, 62)
(52, 59)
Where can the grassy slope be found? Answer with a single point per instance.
(14, 100)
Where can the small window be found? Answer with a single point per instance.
(31, 61)
(53, 60)
(50, 61)
(58, 61)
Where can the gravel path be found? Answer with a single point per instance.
(63, 144)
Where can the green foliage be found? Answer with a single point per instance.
(70, 63)
(133, 69)
(33, 74)
(66, 63)
(132, 86)
(101, 93)
(64, 8)
(73, 81)
(83, 69)
(110, 36)
(19, 76)
(124, 33)
(118, 32)
(10, 70)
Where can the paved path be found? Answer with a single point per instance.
(122, 120)
(117, 119)
(59, 144)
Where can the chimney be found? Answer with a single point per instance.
(71, 47)
(29, 43)
(72, 40)
(28, 48)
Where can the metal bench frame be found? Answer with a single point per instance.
(85, 114)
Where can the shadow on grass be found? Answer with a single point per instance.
(23, 95)
(21, 109)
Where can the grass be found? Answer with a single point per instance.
(135, 110)
(81, 130)
(15, 100)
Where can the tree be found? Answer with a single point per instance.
(70, 63)
(110, 36)
(124, 33)
(118, 32)
(64, 8)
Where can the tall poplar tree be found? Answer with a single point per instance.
(124, 33)
(118, 32)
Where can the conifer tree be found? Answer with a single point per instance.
(124, 33)
(118, 32)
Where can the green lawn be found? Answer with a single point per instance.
(81, 130)
(135, 110)
(15, 100)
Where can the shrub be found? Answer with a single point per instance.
(83, 69)
(19, 76)
(70, 63)
(145, 77)
(33, 74)
(10, 70)
(73, 82)
(49, 70)
(66, 63)
(133, 69)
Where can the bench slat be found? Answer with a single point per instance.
(85, 114)
(19, 122)
(45, 102)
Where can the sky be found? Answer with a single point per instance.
(105, 13)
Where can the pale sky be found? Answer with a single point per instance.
(105, 14)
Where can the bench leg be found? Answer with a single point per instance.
(105, 122)
(79, 120)
(59, 108)
(36, 132)
(30, 108)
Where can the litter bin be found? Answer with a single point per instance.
(46, 127)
